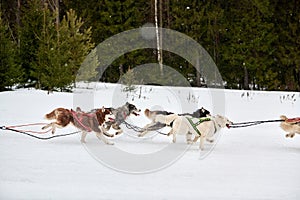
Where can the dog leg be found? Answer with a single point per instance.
(189, 138)
(174, 135)
(196, 139)
(83, 135)
(143, 133)
(117, 128)
(202, 143)
(105, 132)
(171, 132)
(107, 126)
(101, 137)
(52, 125)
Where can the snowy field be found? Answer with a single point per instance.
(256, 162)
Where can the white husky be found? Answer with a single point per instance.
(205, 128)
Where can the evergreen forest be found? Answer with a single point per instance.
(254, 43)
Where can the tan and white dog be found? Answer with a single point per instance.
(292, 126)
(186, 125)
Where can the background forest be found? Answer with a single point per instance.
(254, 43)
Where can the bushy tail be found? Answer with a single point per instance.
(50, 115)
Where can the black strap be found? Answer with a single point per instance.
(37, 137)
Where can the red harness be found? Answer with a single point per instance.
(80, 119)
(293, 120)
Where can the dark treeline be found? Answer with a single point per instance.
(254, 43)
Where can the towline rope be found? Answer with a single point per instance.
(27, 132)
(252, 123)
(139, 129)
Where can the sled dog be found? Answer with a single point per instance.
(203, 128)
(86, 122)
(292, 126)
(155, 125)
(120, 115)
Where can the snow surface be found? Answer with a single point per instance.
(246, 163)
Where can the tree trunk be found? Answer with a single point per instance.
(18, 21)
(157, 36)
(198, 74)
(246, 78)
(161, 36)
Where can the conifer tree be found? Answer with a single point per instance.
(10, 70)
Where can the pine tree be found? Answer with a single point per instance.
(75, 44)
(287, 16)
(61, 51)
(10, 70)
(29, 32)
(248, 50)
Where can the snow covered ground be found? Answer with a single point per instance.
(246, 163)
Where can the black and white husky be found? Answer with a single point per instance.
(155, 125)
(121, 114)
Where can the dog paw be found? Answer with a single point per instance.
(189, 142)
(210, 140)
(110, 135)
(110, 143)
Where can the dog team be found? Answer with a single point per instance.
(199, 124)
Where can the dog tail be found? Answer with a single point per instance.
(51, 115)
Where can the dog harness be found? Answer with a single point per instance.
(293, 120)
(200, 120)
(78, 116)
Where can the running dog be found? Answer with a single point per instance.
(155, 125)
(86, 122)
(292, 126)
(203, 128)
(121, 114)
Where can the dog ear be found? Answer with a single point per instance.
(283, 117)
(103, 109)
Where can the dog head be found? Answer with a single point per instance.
(203, 112)
(104, 115)
(133, 109)
(283, 117)
(222, 121)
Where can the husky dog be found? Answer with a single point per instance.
(121, 114)
(292, 126)
(86, 122)
(205, 128)
(155, 125)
